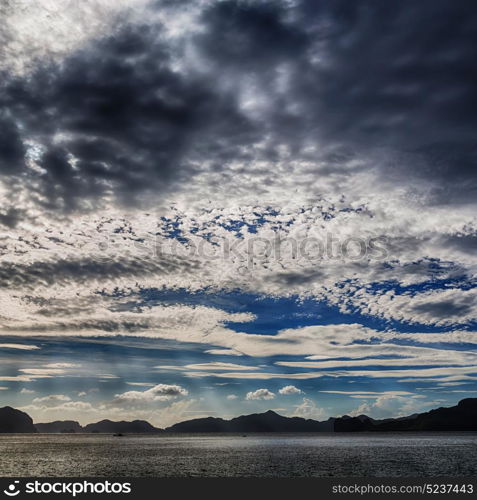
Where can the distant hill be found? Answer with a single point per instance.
(12, 420)
(462, 417)
(134, 427)
(60, 426)
(257, 422)
(208, 424)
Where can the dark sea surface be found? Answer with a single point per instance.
(254, 455)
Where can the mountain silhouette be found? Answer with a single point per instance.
(134, 427)
(12, 420)
(257, 422)
(60, 426)
(462, 417)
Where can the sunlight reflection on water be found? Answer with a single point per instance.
(258, 455)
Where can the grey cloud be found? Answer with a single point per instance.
(444, 309)
(393, 82)
(466, 243)
(114, 119)
(62, 271)
(390, 83)
(11, 217)
(12, 150)
(116, 327)
(297, 279)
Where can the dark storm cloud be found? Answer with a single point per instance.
(297, 278)
(445, 309)
(116, 119)
(252, 36)
(11, 147)
(364, 76)
(127, 120)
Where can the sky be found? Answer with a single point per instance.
(220, 207)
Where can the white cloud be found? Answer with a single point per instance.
(48, 410)
(410, 356)
(160, 392)
(232, 397)
(387, 406)
(260, 394)
(219, 367)
(27, 391)
(290, 390)
(173, 413)
(308, 409)
(85, 413)
(436, 307)
(21, 347)
(279, 274)
(51, 399)
(51, 30)
(45, 371)
(62, 365)
(369, 394)
(17, 378)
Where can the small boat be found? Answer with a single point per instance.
(118, 434)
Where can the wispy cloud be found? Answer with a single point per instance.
(21, 347)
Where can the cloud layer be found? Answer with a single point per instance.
(183, 174)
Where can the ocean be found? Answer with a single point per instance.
(254, 455)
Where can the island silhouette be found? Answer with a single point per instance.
(462, 417)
